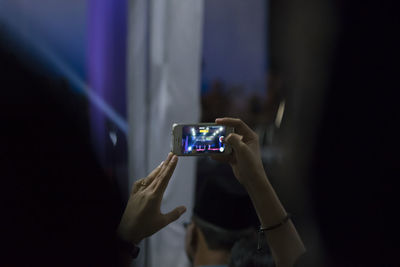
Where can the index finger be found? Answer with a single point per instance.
(147, 180)
(154, 173)
(240, 127)
(165, 175)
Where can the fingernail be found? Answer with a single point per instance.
(161, 163)
(174, 159)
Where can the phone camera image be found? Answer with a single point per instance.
(203, 139)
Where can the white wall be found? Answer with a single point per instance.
(164, 62)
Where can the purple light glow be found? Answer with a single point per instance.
(107, 21)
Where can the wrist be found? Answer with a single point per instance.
(127, 247)
(136, 240)
(131, 238)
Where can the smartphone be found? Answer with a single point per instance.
(201, 139)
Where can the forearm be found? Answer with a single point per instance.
(284, 241)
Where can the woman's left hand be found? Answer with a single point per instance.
(142, 216)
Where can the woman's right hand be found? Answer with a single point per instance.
(245, 159)
(284, 241)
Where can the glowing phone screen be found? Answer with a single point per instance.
(203, 139)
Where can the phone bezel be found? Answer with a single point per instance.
(177, 138)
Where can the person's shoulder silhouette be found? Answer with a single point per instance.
(58, 207)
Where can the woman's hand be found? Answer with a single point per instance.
(245, 159)
(142, 216)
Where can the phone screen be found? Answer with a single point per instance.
(203, 139)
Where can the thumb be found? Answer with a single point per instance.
(235, 141)
(174, 215)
